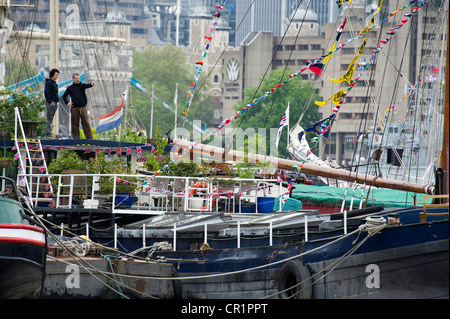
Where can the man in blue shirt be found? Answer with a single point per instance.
(78, 111)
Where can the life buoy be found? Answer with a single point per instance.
(296, 275)
(198, 185)
(202, 185)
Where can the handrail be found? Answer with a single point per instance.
(18, 120)
(424, 214)
(141, 187)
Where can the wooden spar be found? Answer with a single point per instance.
(339, 174)
(61, 36)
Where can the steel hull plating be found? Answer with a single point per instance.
(20, 277)
(399, 262)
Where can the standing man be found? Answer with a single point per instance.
(51, 100)
(78, 107)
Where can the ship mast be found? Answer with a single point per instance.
(54, 36)
(444, 165)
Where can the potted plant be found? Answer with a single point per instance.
(5, 162)
(29, 107)
(125, 187)
(152, 163)
(69, 163)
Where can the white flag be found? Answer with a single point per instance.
(175, 99)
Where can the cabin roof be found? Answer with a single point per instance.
(85, 144)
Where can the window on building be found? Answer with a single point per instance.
(345, 116)
(349, 143)
(289, 47)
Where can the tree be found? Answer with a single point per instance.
(29, 106)
(164, 67)
(268, 112)
(17, 70)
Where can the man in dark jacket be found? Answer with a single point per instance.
(78, 111)
(51, 100)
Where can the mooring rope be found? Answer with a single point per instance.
(372, 226)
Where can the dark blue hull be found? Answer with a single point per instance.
(226, 260)
(411, 262)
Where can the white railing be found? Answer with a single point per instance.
(153, 195)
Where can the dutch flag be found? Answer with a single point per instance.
(113, 119)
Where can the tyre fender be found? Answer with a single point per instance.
(292, 274)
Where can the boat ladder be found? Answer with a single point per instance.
(33, 174)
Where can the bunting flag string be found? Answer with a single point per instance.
(324, 127)
(370, 27)
(339, 98)
(338, 36)
(200, 64)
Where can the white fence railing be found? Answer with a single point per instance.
(158, 194)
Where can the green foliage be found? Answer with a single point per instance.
(126, 135)
(29, 108)
(163, 67)
(102, 165)
(151, 163)
(267, 114)
(67, 160)
(183, 169)
(17, 71)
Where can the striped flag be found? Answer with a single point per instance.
(284, 122)
(113, 119)
(340, 29)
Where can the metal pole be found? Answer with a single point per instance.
(287, 118)
(143, 236)
(306, 228)
(54, 47)
(151, 112)
(270, 234)
(176, 112)
(345, 222)
(177, 36)
(174, 237)
(115, 236)
(238, 234)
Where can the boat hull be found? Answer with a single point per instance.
(415, 273)
(22, 260)
(400, 262)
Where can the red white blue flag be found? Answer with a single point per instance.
(111, 120)
(284, 122)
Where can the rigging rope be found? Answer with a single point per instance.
(372, 226)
